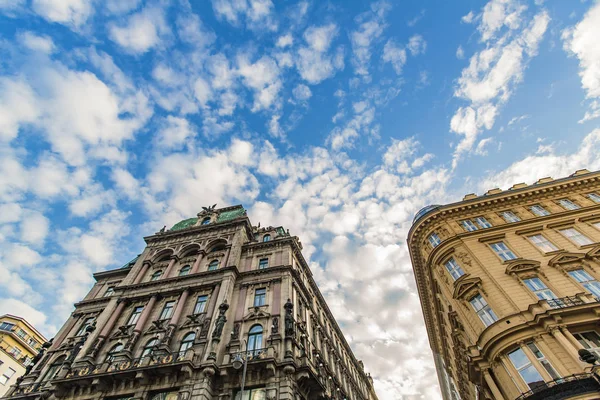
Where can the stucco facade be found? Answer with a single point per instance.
(20, 342)
(169, 324)
(509, 285)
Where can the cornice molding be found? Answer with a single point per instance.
(522, 266)
(465, 285)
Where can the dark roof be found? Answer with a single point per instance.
(424, 211)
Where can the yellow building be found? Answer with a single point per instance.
(510, 286)
(19, 343)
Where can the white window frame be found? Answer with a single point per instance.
(586, 343)
(505, 254)
(167, 310)
(204, 304)
(568, 204)
(468, 225)
(539, 288)
(544, 362)
(539, 210)
(576, 237)
(434, 240)
(529, 364)
(510, 216)
(4, 377)
(483, 310)
(586, 280)
(595, 197)
(453, 268)
(482, 222)
(542, 243)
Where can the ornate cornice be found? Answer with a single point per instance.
(564, 258)
(519, 266)
(465, 285)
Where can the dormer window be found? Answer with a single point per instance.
(205, 221)
(434, 239)
(266, 238)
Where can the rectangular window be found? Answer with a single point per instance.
(135, 315)
(21, 333)
(469, 225)
(503, 251)
(589, 340)
(482, 309)
(200, 304)
(454, 269)
(109, 291)
(33, 343)
(539, 210)
(587, 281)
(15, 352)
(575, 236)
(542, 243)
(542, 360)
(260, 297)
(263, 263)
(594, 197)
(510, 216)
(523, 365)
(568, 204)
(482, 222)
(6, 326)
(7, 375)
(539, 289)
(84, 325)
(434, 239)
(252, 394)
(167, 310)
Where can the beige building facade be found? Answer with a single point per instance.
(510, 287)
(20, 342)
(210, 303)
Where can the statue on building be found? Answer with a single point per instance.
(220, 320)
(289, 318)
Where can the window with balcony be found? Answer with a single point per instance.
(213, 265)
(200, 304)
(167, 310)
(263, 263)
(109, 292)
(84, 326)
(587, 281)
(113, 352)
(575, 236)
(510, 216)
(185, 270)
(595, 197)
(502, 250)
(539, 210)
(589, 340)
(542, 243)
(568, 204)
(525, 367)
(6, 326)
(255, 338)
(434, 240)
(260, 297)
(4, 378)
(54, 368)
(135, 315)
(156, 276)
(454, 269)
(149, 347)
(483, 310)
(540, 289)
(543, 361)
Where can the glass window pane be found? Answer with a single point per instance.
(594, 197)
(482, 222)
(518, 358)
(532, 377)
(539, 210)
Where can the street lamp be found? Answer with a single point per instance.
(241, 360)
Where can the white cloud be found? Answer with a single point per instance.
(142, 31)
(24, 310)
(417, 45)
(175, 133)
(263, 77)
(17, 106)
(302, 92)
(68, 12)
(460, 53)
(467, 19)
(257, 13)
(285, 40)
(582, 41)
(499, 13)
(313, 61)
(35, 42)
(34, 228)
(275, 128)
(121, 6)
(370, 27)
(395, 55)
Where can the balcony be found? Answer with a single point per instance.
(565, 302)
(563, 388)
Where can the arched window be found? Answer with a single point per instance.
(214, 264)
(266, 238)
(186, 343)
(113, 352)
(149, 347)
(205, 221)
(54, 368)
(255, 337)
(156, 275)
(185, 270)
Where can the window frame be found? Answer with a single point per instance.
(543, 361)
(526, 366)
(455, 268)
(489, 312)
(468, 225)
(543, 213)
(591, 282)
(266, 238)
(187, 342)
(149, 347)
(204, 303)
(593, 196)
(187, 268)
(570, 238)
(84, 325)
(537, 244)
(255, 338)
(205, 221)
(508, 249)
(571, 204)
(539, 288)
(509, 216)
(156, 275)
(482, 222)
(7, 376)
(264, 265)
(213, 265)
(258, 296)
(434, 239)
(167, 310)
(134, 317)
(588, 344)
(109, 291)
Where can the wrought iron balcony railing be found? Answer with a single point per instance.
(250, 355)
(563, 388)
(565, 302)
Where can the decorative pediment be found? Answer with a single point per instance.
(256, 313)
(522, 266)
(465, 285)
(566, 258)
(593, 253)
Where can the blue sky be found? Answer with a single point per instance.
(337, 120)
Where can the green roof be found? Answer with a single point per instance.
(186, 223)
(232, 214)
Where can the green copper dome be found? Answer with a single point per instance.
(186, 223)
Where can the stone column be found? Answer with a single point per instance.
(142, 272)
(106, 329)
(535, 362)
(196, 266)
(571, 338)
(492, 384)
(139, 326)
(175, 318)
(172, 263)
(572, 351)
(226, 258)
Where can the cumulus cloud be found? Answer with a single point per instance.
(257, 13)
(263, 77)
(34, 42)
(68, 12)
(302, 92)
(142, 31)
(417, 45)
(395, 55)
(371, 25)
(313, 60)
(581, 41)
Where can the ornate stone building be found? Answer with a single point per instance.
(205, 297)
(510, 287)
